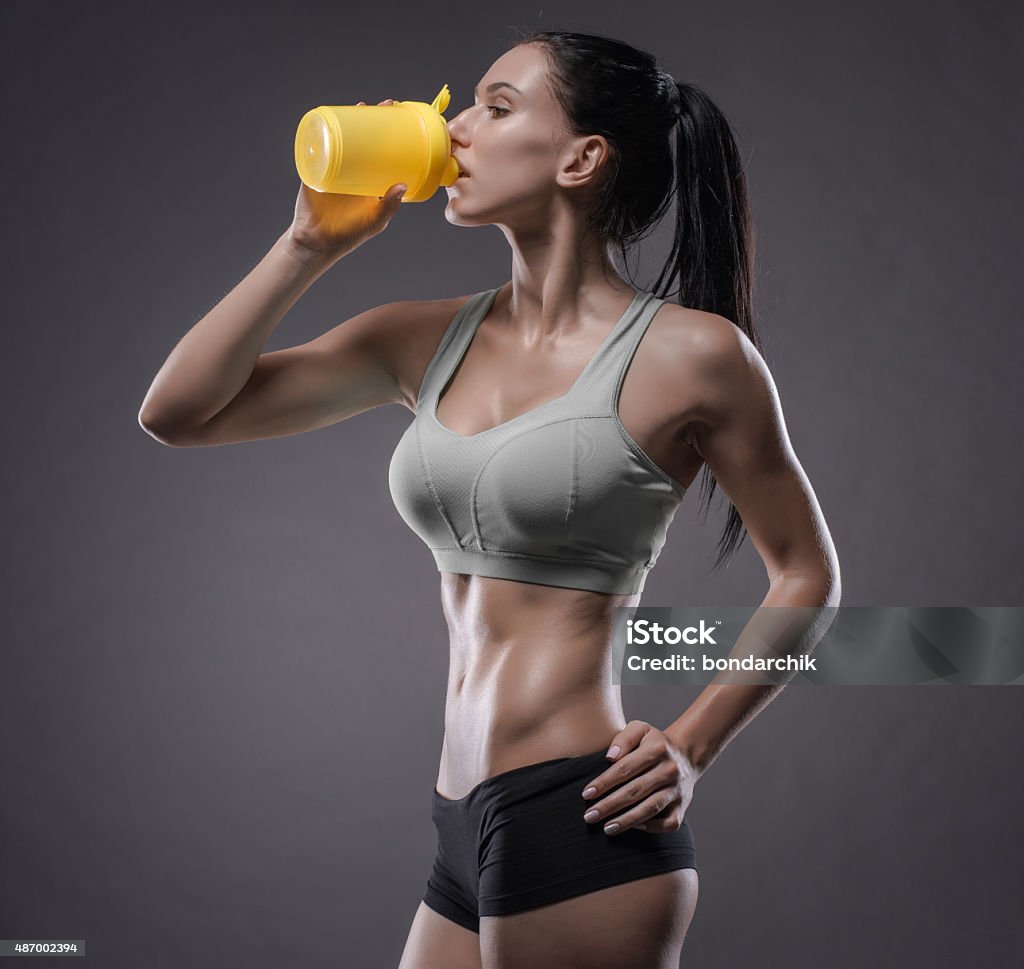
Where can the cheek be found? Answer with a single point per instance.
(513, 143)
(521, 168)
(535, 152)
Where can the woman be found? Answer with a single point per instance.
(550, 448)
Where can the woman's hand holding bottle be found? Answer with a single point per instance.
(329, 226)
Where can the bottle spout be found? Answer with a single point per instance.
(441, 101)
(451, 172)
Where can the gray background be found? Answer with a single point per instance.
(223, 669)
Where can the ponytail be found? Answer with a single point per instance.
(712, 255)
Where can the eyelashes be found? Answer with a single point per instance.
(501, 112)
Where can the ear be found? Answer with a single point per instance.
(586, 162)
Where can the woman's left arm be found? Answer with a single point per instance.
(736, 426)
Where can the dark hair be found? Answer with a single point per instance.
(608, 87)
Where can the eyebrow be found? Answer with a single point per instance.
(491, 88)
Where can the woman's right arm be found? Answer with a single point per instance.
(217, 386)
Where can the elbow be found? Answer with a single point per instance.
(825, 577)
(834, 588)
(160, 431)
(825, 589)
(155, 424)
(817, 584)
(833, 577)
(829, 583)
(170, 425)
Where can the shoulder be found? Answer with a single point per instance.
(409, 318)
(705, 359)
(409, 334)
(708, 336)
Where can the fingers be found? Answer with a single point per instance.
(623, 750)
(636, 783)
(628, 738)
(661, 811)
(655, 811)
(393, 196)
(628, 792)
(670, 817)
(639, 800)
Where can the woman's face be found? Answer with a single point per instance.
(512, 142)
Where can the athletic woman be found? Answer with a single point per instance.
(559, 420)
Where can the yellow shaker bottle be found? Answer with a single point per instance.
(360, 149)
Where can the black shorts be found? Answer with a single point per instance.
(518, 840)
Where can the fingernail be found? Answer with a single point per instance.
(590, 792)
(611, 828)
(591, 814)
(614, 751)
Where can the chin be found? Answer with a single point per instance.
(453, 214)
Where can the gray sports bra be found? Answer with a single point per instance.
(560, 495)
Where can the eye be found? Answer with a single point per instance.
(494, 107)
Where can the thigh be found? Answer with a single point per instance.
(435, 942)
(640, 924)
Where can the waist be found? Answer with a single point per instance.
(519, 651)
(470, 757)
(514, 703)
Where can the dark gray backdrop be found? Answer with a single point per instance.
(223, 669)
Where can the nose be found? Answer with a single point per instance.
(455, 125)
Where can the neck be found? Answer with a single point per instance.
(561, 278)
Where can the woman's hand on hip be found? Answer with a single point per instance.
(649, 786)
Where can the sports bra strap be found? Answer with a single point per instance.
(459, 332)
(599, 389)
(598, 384)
